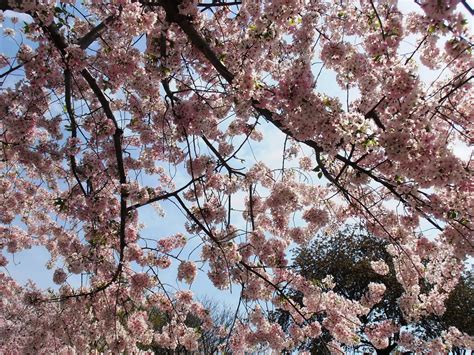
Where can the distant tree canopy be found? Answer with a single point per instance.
(347, 257)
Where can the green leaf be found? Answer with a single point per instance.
(369, 142)
(165, 70)
(268, 35)
(58, 201)
(453, 214)
(26, 27)
(258, 84)
(60, 204)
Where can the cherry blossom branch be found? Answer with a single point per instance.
(202, 45)
(172, 12)
(85, 41)
(230, 169)
(455, 87)
(67, 94)
(61, 44)
(196, 220)
(218, 4)
(11, 70)
(163, 196)
(416, 49)
(275, 287)
(378, 19)
(349, 197)
(252, 217)
(468, 7)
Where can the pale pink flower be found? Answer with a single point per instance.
(380, 267)
(59, 276)
(187, 271)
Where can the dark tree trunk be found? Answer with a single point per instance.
(387, 350)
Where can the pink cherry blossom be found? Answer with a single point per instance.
(187, 271)
(140, 141)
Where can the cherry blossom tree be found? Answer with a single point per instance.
(110, 107)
